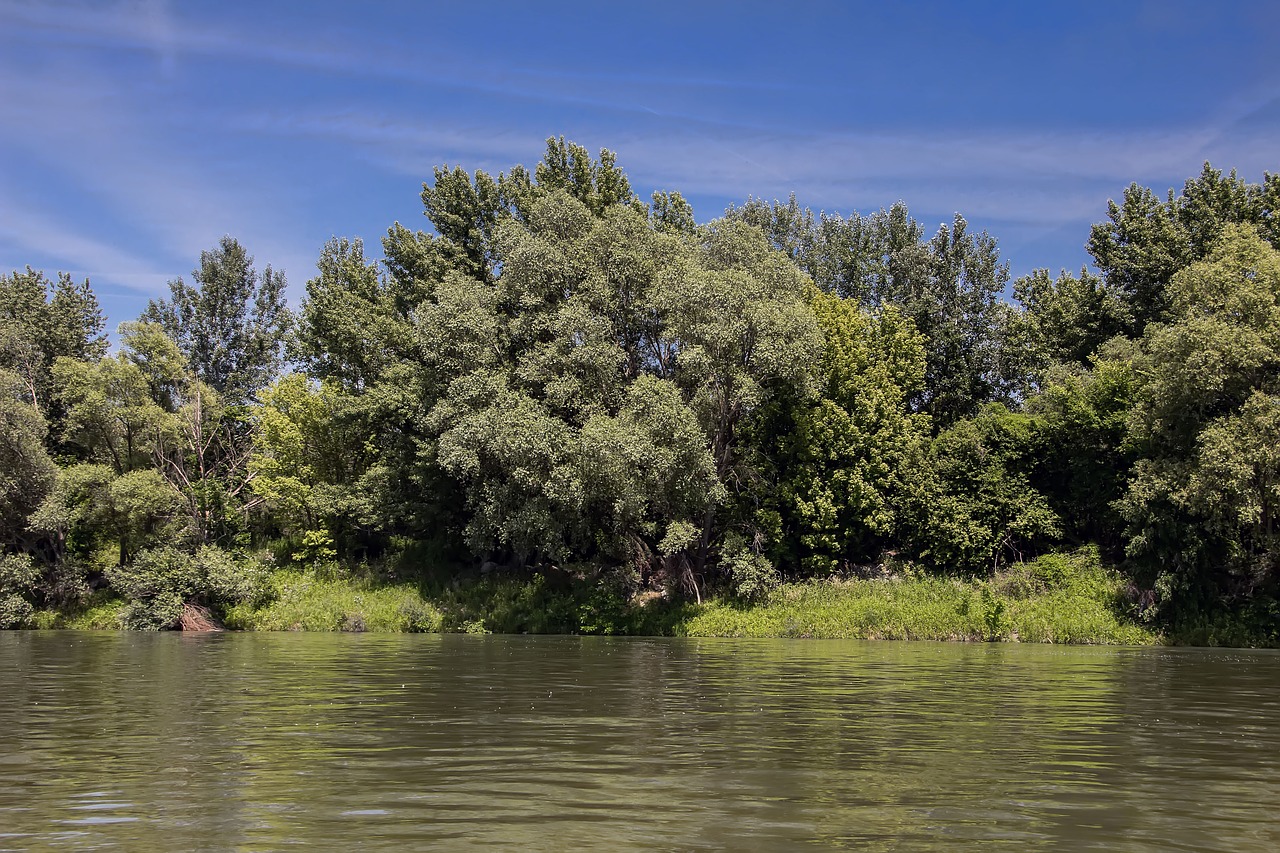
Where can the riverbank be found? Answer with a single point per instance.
(1059, 598)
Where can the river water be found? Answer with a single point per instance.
(266, 741)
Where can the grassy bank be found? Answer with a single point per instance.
(1055, 599)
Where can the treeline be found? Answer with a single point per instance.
(561, 378)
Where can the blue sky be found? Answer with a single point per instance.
(135, 134)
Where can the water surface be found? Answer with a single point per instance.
(266, 741)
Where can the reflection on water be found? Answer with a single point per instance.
(258, 741)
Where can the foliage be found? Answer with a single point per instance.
(18, 578)
(1083, 458)
(846, 459)
(299, 460)
(948, 286)
(978, 510)
(41, 321)
(304, 601)
(158, 582)
(614, 413)
(1079, 608)
(752, 575)
(26, 471)
(1145, 242)
(1201, 505)
(1063, 321)
(629, 360)
(230, 325)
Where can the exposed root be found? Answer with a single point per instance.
(198, 618)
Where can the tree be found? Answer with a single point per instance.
(358, 335)
(466, 210)
(959, 311)
(230, 325)
(1063, 320)
(1083, 461)
(26, 471)
(845, 460)
(112, 415)
(949, 286)
(1200, 504)
(41, 321)
(143, 411)
(977, 510)
(301, 460)
(1146, 241)
(606, 349)
(392, 344)
(92, 509)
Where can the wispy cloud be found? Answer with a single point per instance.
(167, 162)
(1009, 175)
(157, 26)
(79, 254)
(108, 147)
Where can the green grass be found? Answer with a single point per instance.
(104, 611)
(1058, 599)
(304, 601)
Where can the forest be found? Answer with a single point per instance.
(561, 383)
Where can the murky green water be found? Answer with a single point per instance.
(261, 742)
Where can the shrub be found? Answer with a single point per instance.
(161, 580)
(18, 577)
(753, 575)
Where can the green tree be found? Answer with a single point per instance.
(978, 509)
(94, 516)
(301, 462)
(358, 335)
(465, 210)
(142, 410)
(1199, 505)
(1084, 459)
(846, 458)
(949, 286)
(26, 471)
(40, 322)
(230, 324)
(112, 415)
(1146, 241)
(559, 372)
(1063, 320)
(392, 343)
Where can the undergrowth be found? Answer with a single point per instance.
(1058, 598)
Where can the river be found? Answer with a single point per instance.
(141, 742)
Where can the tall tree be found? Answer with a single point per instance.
(385, 338)
(949, 286)
(41, 321)
(26, 471)
(845, 460)
(1063, 320)
(1205, 492)
(593, 397)
(230, 324)
(1146, 241)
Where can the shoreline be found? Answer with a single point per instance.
(1056, 599)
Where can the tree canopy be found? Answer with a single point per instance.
(555, 378)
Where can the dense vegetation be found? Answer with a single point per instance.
(562, 387)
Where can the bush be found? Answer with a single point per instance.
(753, 575)
(18, 577)
(161, 580)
